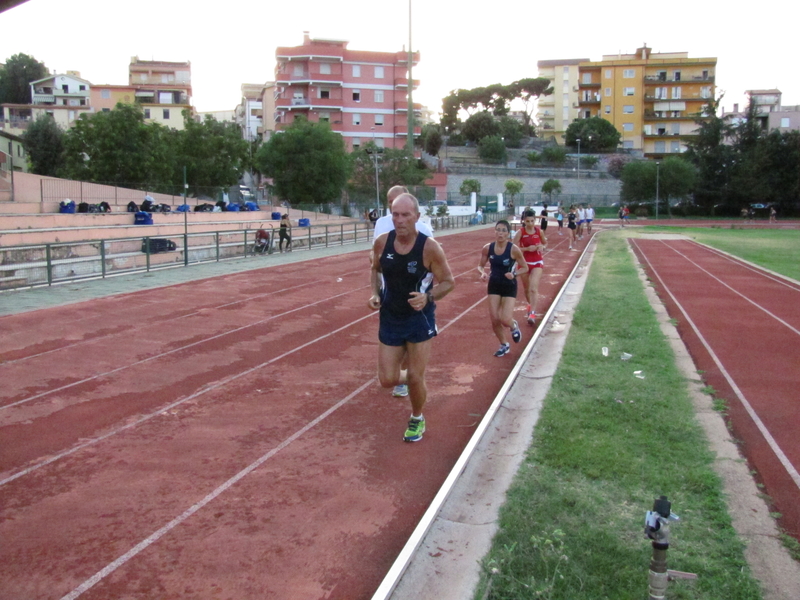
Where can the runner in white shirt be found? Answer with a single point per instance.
(589, 218)
(581, 221)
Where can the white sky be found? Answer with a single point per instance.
(233, 42)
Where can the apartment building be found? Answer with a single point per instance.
(249, 112)
(163, 90)
(651, 98)
(105, 98)
(557, 110)
(362, 94)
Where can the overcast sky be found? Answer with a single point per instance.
(233, 42)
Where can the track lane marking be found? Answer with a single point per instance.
(738, 293)
(773, 444)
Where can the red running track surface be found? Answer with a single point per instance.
(226, 438)
(742, 327)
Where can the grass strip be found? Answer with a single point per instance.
(774, 249)
(606, 445)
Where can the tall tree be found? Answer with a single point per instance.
(595, 133)
(528, 90)
(671, 179)
(481, 125)
(213, 152)
(117, 147)
(551, 187)
(307, 163)
(44, 144)
(713, 157)
(396, 166)
(16, 77)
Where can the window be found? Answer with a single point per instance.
(587, 78)
(565, 88)
(146, 113)
(676, 93)
(627, 127)
(565, 101)
(81, 88)
(378, 95)
(705, 91)
(325, 117)
(356, 95)
(378, 72)
(565, 70)
(675, 147)
(609, 72)
(356, 70)
(676, 129)
(784, 121)
(628, 91)
(587, 114)
(325, 93)
(325, 68)
(356, 143)
(661, 147)
(627, 144)
(661, 93)
(379, 142)
(298, 70)
(608, 91)
(565, 115)
(378, 119)
(676, 76)
(628, 109)
(106, 94)
(662, 75)
(356, 119)
(607, 109)
(705, 74)
(166, 114)
(106, 110)
(628, 73)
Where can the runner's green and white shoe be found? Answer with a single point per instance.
(416, 427)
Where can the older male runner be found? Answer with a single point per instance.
(407, 261)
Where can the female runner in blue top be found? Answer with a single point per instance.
(503, 257)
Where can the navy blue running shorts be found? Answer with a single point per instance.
(416, 328)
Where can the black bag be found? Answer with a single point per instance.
(132, 206)
(105, 207)
(147, 206)
(157, 245)
(94, 208)
(83, 207)
(162, 208)
(204, 208)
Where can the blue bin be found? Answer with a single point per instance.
(233, 208)
(304, 223)
(143, 218)
(184, 208)
(276, 216)
(67, 207)
(251, 206)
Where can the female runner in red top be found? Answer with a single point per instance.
(531, 240)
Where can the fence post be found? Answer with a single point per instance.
(48, 258)
(342, 234)
(216, 241)
(245, 244)
(81, 191)
(103, 258)
(147, 252)
(41, 192)
(309, 237)
(326, 236)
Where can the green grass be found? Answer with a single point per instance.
(774, 249)
(606, 445)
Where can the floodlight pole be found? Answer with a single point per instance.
(410, 142)
(579, 156)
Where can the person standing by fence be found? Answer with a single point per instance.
(285, 233)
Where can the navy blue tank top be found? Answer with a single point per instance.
(500, 263)
(403, 274)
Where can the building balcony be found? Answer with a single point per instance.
(655, 79)
(666, 134)
(44, 99)
(591, 84)
(308, 79)
(305, 53)
(402, 58)
(402, 108)
(585, 101)
(305, 103)
(402, 83)
(549, 101)
(402, 131)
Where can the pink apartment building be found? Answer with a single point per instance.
(362, 94)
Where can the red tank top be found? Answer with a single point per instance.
(531, 239)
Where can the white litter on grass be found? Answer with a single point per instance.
(626, 356)
(605, 351)
(639, 374)
(339, 279)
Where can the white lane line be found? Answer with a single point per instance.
(154, 537)
(773, 444)
(200, 392)
(776, 277)
(738, 293)
(149, 325)
(173, 351)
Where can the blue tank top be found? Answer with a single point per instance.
(403, 274)
(500, 263)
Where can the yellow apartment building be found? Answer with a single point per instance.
(557, 110)
(163, 90)
(651, 98)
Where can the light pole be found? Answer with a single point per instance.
(579, 156)
(657, 176)
(377, 180)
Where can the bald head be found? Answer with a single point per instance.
(394, 192)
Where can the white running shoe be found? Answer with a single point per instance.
(400, 391)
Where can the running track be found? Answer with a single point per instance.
(742, 327)
(226, 438)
